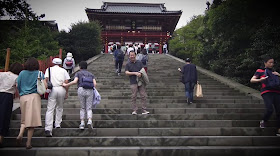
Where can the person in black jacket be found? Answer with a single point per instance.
(189, 79)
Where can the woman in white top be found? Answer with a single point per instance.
(7, 90)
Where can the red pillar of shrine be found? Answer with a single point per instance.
(106, 48)
(160, 45)
(160, 48)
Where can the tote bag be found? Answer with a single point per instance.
(198, 90)
(41, 89)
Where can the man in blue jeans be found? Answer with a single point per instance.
(189, 79)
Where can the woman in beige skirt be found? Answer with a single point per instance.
(30, 100)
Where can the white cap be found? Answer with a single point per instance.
(57, 61)
(69, 55)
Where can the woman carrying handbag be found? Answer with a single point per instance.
(30, 100)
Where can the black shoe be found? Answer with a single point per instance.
(48, 133)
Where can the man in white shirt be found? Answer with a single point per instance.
(58, 93)
(130, 48)
(147, 46)
(165, 48)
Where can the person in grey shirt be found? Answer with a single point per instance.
(132, 70)
(85, 94)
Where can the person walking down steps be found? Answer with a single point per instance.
(86, 82)
(119, 57)
(270, 91)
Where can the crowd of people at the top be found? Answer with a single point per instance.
(138, 47)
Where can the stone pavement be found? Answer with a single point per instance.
(224, 122)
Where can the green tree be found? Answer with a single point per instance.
(83, 40)
(32, 40)
(17, 9)
(234, 36)
(186, 41)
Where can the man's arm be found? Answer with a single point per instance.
(133, 73)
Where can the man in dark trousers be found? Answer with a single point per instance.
(132, 69)
(189, 79)
(119, 57)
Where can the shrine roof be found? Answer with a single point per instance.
(133, 8)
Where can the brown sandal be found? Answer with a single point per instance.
(28, 147)
(18, 141)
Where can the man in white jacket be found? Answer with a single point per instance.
(58, 93)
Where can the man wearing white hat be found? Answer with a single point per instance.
(57, 76)
(69, 63)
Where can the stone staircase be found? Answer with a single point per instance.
(223, 122)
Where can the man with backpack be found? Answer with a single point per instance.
(69, 63)
(143, 57)
(119, 57)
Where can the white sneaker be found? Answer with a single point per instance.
(58, 126)
(82, 126)
(89, 123)
(134, 113)
(145, 112)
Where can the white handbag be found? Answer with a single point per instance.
(41, 88)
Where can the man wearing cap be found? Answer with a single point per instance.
(69, 63)
(58, 93)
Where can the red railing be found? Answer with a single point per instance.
(43, 65)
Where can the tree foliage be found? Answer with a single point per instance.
(231, 38)
(17, 9)
(83, 40)
(32, 40)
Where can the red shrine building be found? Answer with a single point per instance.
(141, 23)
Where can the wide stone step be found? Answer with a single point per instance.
(168, 105)
(210, 97)
(158, 123)
(196, 116)
(150, 141)
(145, 151)
(209, 131)
(161, 93)
(152, 101)
(165, 111)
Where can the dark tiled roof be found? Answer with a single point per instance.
(145, 8)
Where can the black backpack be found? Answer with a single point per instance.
(272, 81)
(87, 82)
(120, 54)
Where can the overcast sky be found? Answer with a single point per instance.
(66, 12)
